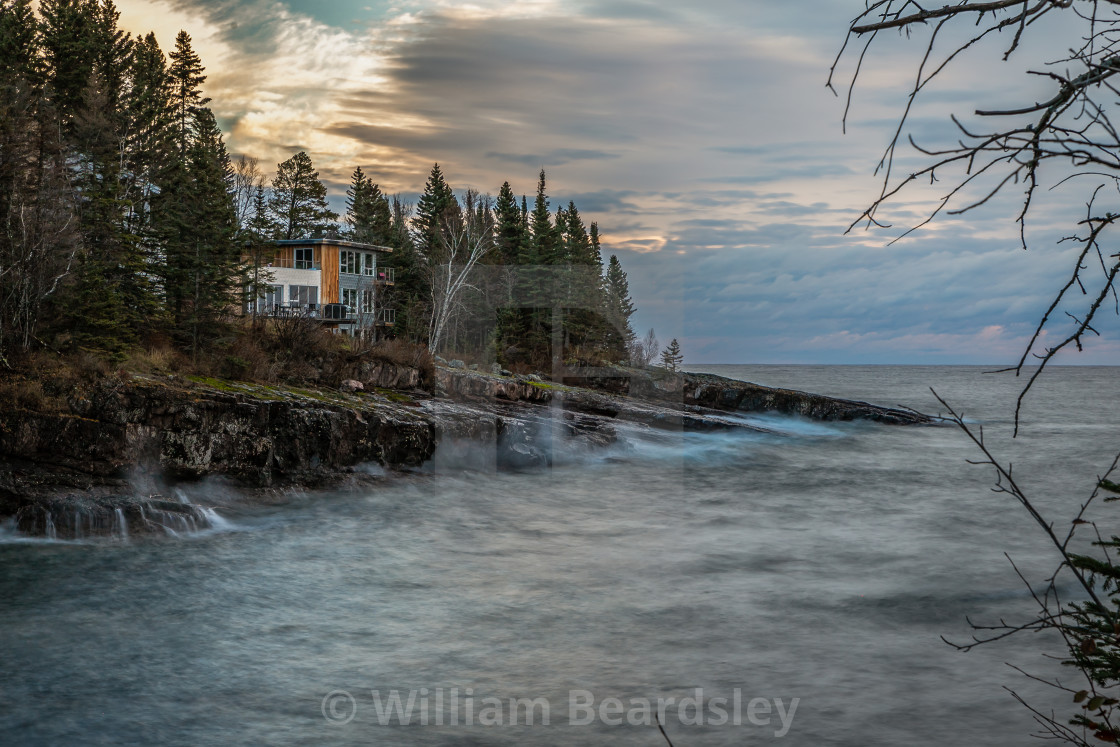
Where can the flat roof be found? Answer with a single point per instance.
(334, 242)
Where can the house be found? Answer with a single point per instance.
(341, 283)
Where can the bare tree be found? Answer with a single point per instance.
(466, 236)
(1033, 145)
(642, 352)
(38, 219)
(1066, 139)
(247, 179)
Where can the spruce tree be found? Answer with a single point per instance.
(671, 357)
(368, 216)
(299, 200)
(410, 295)
(20, 47)
(196, 223)
(149, 112)
(437, 205)
(186, 77)
(542, 249)
(67, 54)
(509, 232)
(619, 306)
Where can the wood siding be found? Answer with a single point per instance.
(328, 261)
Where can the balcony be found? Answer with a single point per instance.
(331, 313)
(293, 264)
(383, 275)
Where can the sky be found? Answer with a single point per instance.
(700, 137)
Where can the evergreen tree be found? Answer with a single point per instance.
(299, 200)
(112, 51)
(20, 47)
(671, 357)
(149, 142)
(368, 214)
(619, 305)
(67, 53)
(202, 264)
(542, 249)
(256, 239)
(437, 205)
(115, 299)
(510, 234)
(37, 209)
(185, 76)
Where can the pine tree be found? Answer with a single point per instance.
(437, 205)
(368, 215)
(671, 357)
(112, 51)
(510, 235)
(410, 295)
(149, 114)
(619, 306)
(543, 245)
(38, 240)
(299, 200)
(257, 241)
(115, 301)
(186, 77)
(196, 222)
(19, 44)
(67, 54)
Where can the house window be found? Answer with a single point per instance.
(303, 295)
(348, 262)
(367, 302)
(273, 297)
(350, 298)
(368, 264)
(305, 259)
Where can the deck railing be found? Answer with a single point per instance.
(337, 313)
(293, 264)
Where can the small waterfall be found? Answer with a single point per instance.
(83, 517)
(215, 521)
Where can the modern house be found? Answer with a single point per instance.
(341, 283)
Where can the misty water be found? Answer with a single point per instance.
(820, 562)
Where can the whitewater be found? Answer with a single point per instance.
(806, 574)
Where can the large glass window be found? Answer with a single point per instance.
(350, 298)
(367, 263)
(302, 295)
(273, 297)
(367, 302)
(305, 259)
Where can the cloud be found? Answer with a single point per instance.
(557, 157)
(699, 136)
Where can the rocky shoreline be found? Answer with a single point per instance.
(80, 471)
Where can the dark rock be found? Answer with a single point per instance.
(72, 473)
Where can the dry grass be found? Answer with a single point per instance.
(156, 360)
(300, 352)
(19, 393)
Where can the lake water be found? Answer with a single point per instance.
(807, 575)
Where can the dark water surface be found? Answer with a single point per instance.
(821, 563)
